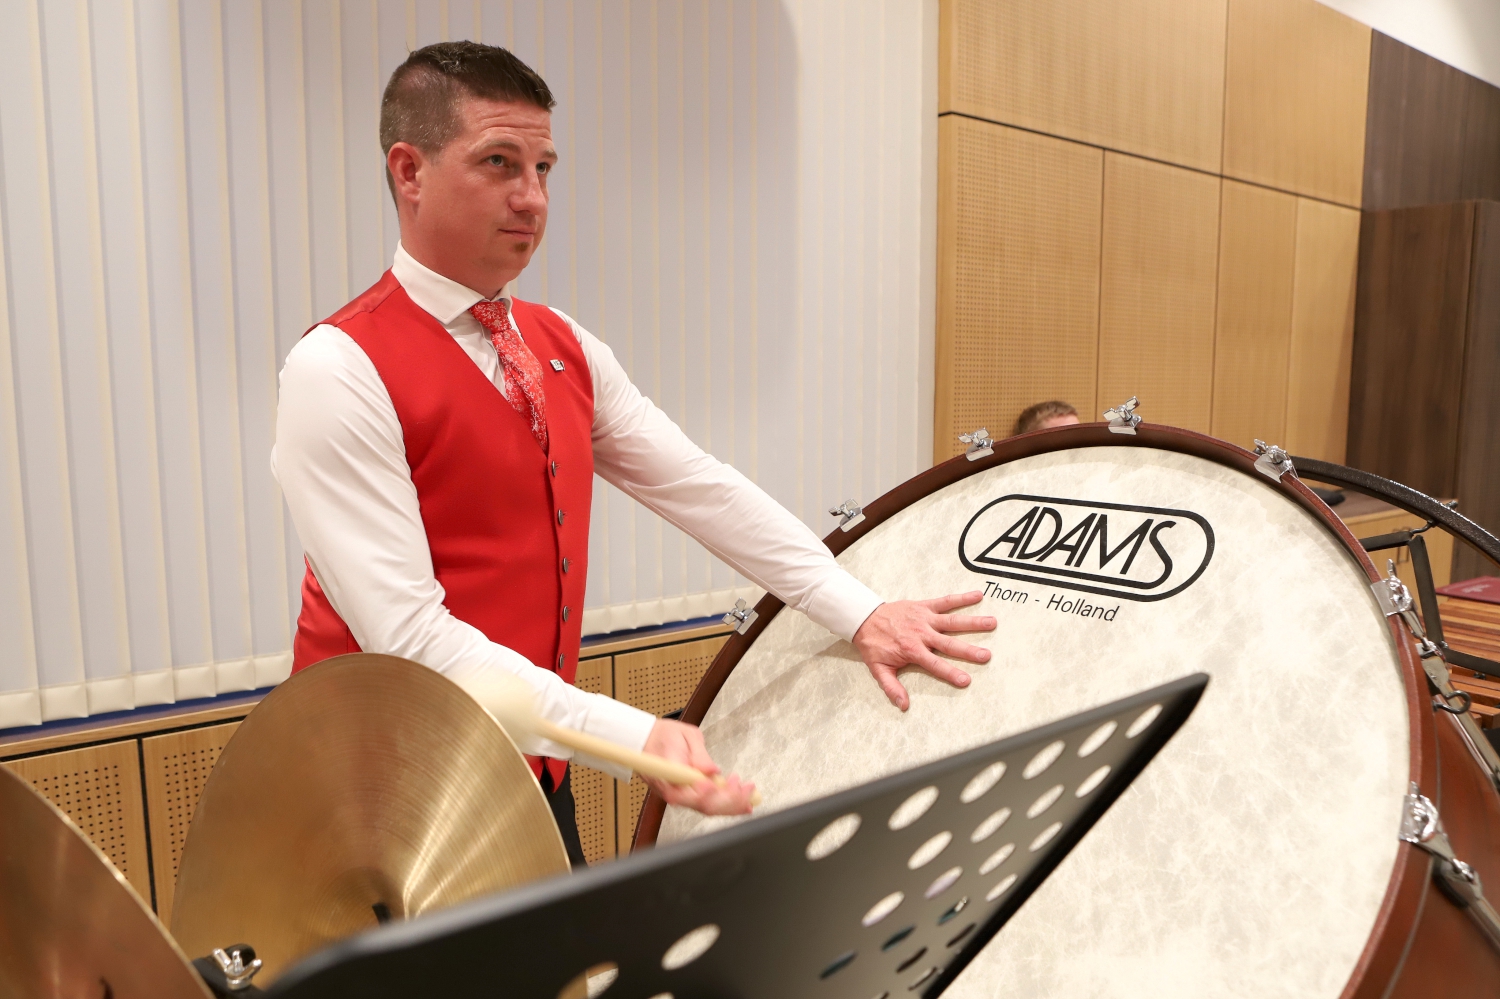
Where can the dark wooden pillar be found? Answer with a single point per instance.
(1426, 363)
(1424, 404)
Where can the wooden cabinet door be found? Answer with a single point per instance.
(593, 791)
(177, 766)
(99, 788)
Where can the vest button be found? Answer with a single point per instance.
(559, 660)
(566, 563)
(554, 469)
(565, 613)
(559, 518)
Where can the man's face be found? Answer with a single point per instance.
(477, 210)
(1066, 420)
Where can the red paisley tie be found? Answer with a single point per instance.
(523, 372)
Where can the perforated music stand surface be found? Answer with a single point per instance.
(788, 926)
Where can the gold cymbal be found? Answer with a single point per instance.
(362, 782)
(70, 925)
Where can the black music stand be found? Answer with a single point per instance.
(859, 922)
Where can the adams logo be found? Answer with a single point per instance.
(1135, 552)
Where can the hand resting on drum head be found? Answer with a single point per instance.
(683, 743)
(912, 632)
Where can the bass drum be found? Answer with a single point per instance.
(1258, 855)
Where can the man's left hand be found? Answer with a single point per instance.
(912, 633)
(683, 743)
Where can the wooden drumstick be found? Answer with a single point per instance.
(511, 703)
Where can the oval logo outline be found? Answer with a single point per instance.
(1073, 580)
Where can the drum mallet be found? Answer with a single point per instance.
(511, 702)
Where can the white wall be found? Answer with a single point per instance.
(1461, 33)
(744, 213)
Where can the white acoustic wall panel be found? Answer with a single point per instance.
(743, 212)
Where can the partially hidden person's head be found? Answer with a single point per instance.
(467, 134)
(1052, 413)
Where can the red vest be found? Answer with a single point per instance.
(508, 525)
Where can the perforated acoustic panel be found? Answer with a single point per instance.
(659, 681)
(1018, 277)
(888, 889)
(177, 766)
(1144, 76)
(99, 788)
(1326, 267)
(1157, 290)
(1258, 237)
(1296, 85)
(594, 792)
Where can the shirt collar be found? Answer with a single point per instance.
(443, 298)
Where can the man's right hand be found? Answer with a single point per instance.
(683, 743)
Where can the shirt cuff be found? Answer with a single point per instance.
(616, 722)
(842, 603)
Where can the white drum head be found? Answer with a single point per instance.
(1251, 858)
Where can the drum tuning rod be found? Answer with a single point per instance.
(511, 703)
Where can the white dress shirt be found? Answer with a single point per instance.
(341, 461)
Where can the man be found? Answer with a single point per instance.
(1045, 415)
(436, 444)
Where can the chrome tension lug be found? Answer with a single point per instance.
(1123, 419)
(849, 513)
(1395, 600)
(238, 964)
(1273, 461)
(1419, 817)
(980, 443)
(1422, 827)
(1390, 593)
(741, 618)
(1445, 696)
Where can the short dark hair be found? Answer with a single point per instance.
(420, 105)
(1032, 417)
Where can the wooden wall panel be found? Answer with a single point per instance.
(1140, 76)
(1409, 319)
(659, 681)
(177, 766)
(1157, 290)
(1478, 489)
(1481, 171)
(1018, 276)
(99, 788)
(1414, 140)
(1257, 245)
(1296, 82)
(1326, 269)
(593, 791)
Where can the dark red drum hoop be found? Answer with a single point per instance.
(1401, 908)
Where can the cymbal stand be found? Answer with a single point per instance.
(891, 887)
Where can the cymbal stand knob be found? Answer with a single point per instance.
(227, 972)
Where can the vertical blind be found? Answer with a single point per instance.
(743, 213)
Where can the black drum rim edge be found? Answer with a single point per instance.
(1403, 496)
